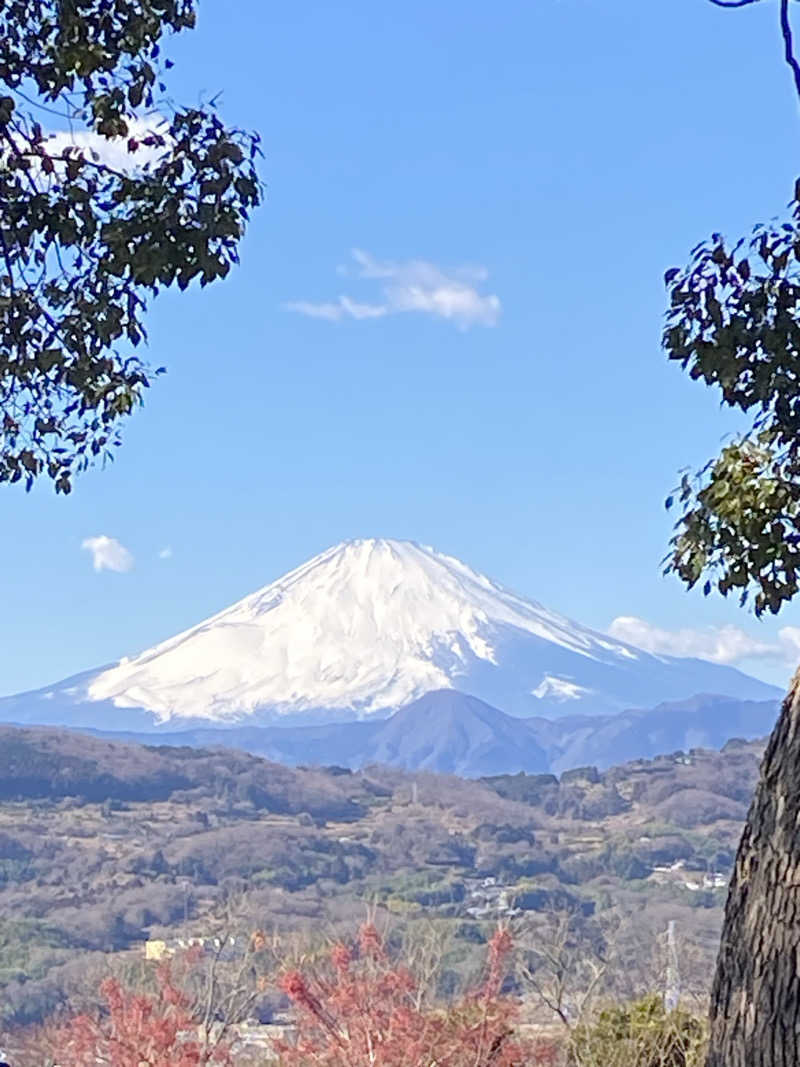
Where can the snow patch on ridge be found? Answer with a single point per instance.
(559, 689)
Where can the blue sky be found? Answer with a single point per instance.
(517, 176)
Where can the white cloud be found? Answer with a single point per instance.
(790, 643)
(166, 552)
(108, 554)
(334, 311)
(720, 644)
(113, 152)
(408, 286)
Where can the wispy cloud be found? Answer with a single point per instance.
(335, 310)
(108, 554)
(413, 285)
(720, 644)
(166, 552)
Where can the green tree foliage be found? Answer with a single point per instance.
(734, 323)
(108, 194)
(641, 1034)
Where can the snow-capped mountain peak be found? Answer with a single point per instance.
(362, 630)
(367, 625)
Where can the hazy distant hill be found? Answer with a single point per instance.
(704, 721)
(451, 732)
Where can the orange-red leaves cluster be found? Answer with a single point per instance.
(367, 1012)
(363, 1009)
(135, 1029)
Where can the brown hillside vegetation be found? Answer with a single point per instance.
(105, 845)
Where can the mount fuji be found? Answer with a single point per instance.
(364, 629)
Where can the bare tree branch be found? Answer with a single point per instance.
(733, 3)
(788, 41)
(786, 33)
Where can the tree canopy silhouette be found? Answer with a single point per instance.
(734, 323)
(109, 193)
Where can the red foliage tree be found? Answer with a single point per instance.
(366, 1012)
(135, 1030)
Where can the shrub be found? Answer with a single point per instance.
(159, 1030)
(641, 1034)
(368, 1010)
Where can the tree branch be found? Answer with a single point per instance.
(786, 33)
(9, 265)
(788, 41)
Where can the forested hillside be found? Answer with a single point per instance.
(104, 845)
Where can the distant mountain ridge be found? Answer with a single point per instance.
(453, 733)
(362, 630)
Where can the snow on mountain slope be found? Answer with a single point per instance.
(370, 625)
(367, 625)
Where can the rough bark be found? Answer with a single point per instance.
(755, 1001)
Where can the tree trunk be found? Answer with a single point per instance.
(755, 1000)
